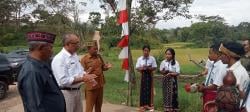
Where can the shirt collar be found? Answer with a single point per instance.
(67, 53)
(168, 61)
(217, 63)
(235, 65)
(90, 56)
(37, 62)
(143, 57)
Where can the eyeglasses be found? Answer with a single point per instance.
(75, 43)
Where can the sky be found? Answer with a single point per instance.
(233, 11)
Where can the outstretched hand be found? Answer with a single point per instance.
(201, 88)
(108, 65)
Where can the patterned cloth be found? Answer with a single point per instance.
(228, 99)
(146, 93)
(170, 93)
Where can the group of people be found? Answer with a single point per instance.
(55, 86)
(225, 89)
(169, 68)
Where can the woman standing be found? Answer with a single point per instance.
(146, 64)
(170, 69)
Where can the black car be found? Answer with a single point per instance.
(6, 75)
(17, 58)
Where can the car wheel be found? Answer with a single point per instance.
(3, 89)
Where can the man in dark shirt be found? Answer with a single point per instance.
(36, 83)
(245, 60)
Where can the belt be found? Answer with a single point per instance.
(68, 88)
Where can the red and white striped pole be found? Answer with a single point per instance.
(123, 20)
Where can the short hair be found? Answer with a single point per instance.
(146, 46)
(235, 47)
(33, 45)
(66, 38)
(246, 39)
(215, 47)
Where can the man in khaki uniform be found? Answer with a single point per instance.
(93, 63)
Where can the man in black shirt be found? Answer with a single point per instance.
(36, 83)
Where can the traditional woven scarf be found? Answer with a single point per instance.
(227, 51)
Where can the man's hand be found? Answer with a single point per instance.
(201, 88)
(108, 66)
(88, 77)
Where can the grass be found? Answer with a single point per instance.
(182, 56)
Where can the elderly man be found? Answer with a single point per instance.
(93, 63)
(231, 53)
(69, 73)
(36, 83)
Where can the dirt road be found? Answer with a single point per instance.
(13, 103)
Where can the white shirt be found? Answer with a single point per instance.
(241, 75)
(216, 73)
(168, 66)
(66, 67)
(149, 61)
(209, 64)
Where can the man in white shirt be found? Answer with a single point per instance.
(208, 65)
(69, 73)
(231, 53)
(214, 78)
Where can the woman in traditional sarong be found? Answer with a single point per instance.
(146, 64)
(170, 69)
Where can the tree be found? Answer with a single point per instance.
(6, 10)
(20, 7)
(146, 13)
(95, 18)
(184, 34)
(205, 18)
(244, 29)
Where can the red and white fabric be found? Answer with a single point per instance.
(123, 20)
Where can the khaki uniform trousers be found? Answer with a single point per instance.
(94, 98)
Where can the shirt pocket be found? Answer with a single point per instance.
(72, 65)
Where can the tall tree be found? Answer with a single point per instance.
(6, 10)
(20, 6)
(95, 18)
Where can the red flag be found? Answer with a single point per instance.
(123, 20)
(123, 16)
(123, 42)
